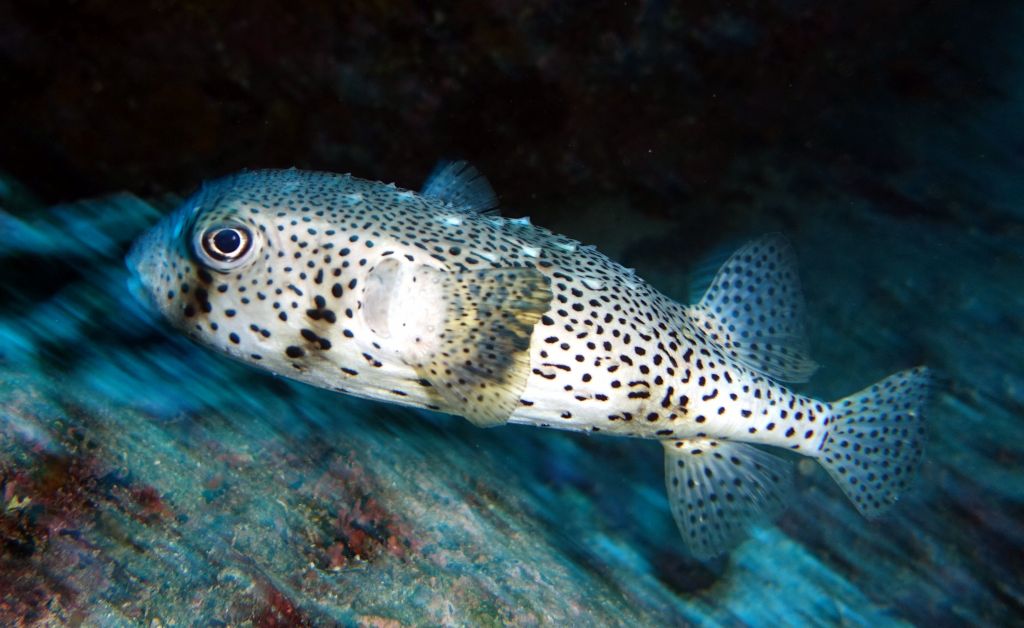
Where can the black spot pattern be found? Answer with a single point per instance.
(876, 440)
(754, 311)
(525, 325)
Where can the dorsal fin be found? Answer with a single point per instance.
(462, 186)
(705, 268)
(754, 311)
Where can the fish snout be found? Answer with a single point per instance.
(146, 261)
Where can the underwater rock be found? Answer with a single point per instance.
(146, 480)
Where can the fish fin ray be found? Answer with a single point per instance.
(876, 440)
(717, 489)
(482, 361)
(461, 185)
(703, 271)
(754, 311)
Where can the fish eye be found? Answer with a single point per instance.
(225, 246)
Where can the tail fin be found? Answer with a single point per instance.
(876, 440)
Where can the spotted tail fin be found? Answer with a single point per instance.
(876, 440)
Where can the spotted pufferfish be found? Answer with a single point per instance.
(431, 299)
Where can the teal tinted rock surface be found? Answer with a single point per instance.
(145, 479)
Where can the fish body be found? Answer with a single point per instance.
(430, 299)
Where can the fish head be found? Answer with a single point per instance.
(206, 247)
(280, 270)
(227, 268)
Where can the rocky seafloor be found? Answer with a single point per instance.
(146, 480)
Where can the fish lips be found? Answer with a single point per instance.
(148, 258)
(144, 268)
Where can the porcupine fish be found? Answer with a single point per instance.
(430, 299)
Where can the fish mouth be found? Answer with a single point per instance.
(152, 254)
(134, 256)
(136, 287)
(142, 265)
(141, 295)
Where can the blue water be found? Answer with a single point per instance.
(144, 479)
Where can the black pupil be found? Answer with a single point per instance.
(227, 241)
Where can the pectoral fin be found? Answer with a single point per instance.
(480, 364)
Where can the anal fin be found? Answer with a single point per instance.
(481, 362)
(717, 489)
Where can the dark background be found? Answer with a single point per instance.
(685, 108)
